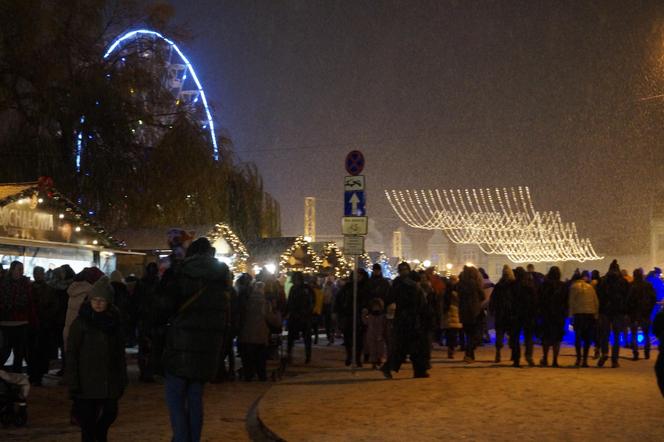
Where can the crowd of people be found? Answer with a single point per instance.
(188, 321)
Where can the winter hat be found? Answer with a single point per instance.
(116, 276)
(102, 289)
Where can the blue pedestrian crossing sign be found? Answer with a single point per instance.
(355, 203)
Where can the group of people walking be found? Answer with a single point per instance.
(189, 320)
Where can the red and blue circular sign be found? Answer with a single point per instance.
(354, 162)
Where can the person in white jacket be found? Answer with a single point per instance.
(584, 309)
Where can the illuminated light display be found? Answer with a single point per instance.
(499, 221)
(332, 258)
(299, 257)
(237, 259)
(189, 70)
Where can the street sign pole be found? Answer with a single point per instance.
(354, 223)
(354, 365)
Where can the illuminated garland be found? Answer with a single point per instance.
(300, 243)
(499, 221)
(342, 267)
(240, 253)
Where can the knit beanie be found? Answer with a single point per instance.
(102, 289)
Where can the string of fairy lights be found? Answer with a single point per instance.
(499, 221)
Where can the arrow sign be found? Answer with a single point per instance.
(355, 203)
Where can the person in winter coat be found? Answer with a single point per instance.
(524, 310)
(471, 296)
(63, 277)
(411, 325)
(584, 310)
(77, 292)
(487, 286)
(500, 307)
(641, 302)
(318, 308)
(375, 323)
(379, 286)
(553, 309)
(42, 343)
(655, 279)
(146, 293)
(329, 294)
(254, 334)
(197, 305)
(344, 309)
(450, 323)
(18, 316)
(96, 369)
(658, 330)
(299, 310)
(124, 304)
(612, 292)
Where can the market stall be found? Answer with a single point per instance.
(39, 226)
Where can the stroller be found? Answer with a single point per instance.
(14, 390)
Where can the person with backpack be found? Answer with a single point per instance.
(198, 306)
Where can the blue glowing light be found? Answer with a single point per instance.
(79, 145)
(190, 69)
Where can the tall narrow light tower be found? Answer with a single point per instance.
(397, 247)
(310, 218)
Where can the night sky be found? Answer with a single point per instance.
(448, 94)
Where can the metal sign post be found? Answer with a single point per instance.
(354, 227)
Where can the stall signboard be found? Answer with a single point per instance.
(31, 219)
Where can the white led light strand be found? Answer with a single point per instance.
(499, 221)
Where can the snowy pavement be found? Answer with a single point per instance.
(480, 401)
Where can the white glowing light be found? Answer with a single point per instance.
(271, 268)
(190, 68)
(426, 263)
(61, 216)
(499, 221)
(307, 238)
(449, 266)
(78, 229)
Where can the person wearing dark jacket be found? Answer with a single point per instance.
(379, 286)
(524, 309)
(658, 330)
(18, 315)
(42, 342)
(411, 325)
(198, 306)
(96, 369)
(553, 305)
(300, 310)
(471, 295)
(344, 310)
(500, 305)
(641, 301)
(145, 294)
(612, 292)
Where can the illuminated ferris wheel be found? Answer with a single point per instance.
(167, 63)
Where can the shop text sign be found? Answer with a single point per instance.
(16, 218)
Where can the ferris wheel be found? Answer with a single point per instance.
(172, 68)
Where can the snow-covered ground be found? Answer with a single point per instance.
(480, 401)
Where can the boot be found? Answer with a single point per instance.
(646, 353)
(636, 356)
(530, 361)
(450, 353)
(578, 361)
(544, 362)
(615, 363)
(585, 362)
(497, 360)
(602, 361)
